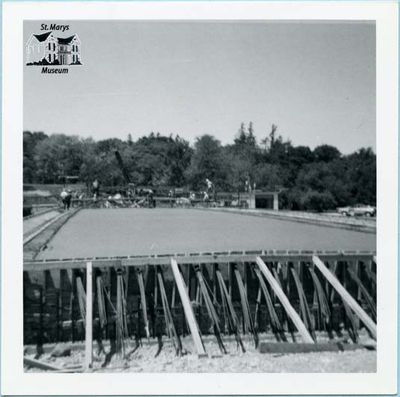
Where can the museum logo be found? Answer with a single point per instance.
(48, 50)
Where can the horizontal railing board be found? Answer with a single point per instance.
(195, 258)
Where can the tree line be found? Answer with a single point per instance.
(317, 179)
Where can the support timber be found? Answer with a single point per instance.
(194, 330)
(350, 301)
(66, 310)
(89, 317)
(285, 301)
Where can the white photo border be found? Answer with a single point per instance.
(16, 381)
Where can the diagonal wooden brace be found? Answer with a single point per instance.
(284, 301)
(187, 307)
(143, 303)
(351, 302)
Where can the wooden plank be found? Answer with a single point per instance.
(291, 348)
(72, 306)
(185, 259)
(40, 365)
(143, 302)
(364, 292)
(59, 330)
(187, 307)
(224, 292)
(230, 280)
(211, 310)
(40, 338)
(247, 323)
(214, 281)
(173, 296)
(351, 302)
(89, 318)
(245, 266)
(284, 301)
(169, 320)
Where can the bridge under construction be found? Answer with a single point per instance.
(114, 277)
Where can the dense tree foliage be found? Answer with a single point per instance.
(316, 179)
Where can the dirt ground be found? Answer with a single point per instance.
(143, 360)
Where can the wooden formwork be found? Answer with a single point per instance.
(289, 293)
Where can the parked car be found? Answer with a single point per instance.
(357, 210)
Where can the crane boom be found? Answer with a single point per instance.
(122, 166)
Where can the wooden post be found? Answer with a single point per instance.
(256, 313)
(299, 269)
(357, 270)
(143, 302)
(286, 282)
(284, 301)
(39, 346)
(72, 306)
(230, 279)
(155, 292)
(245, 266)
(345, 296)
(371, 278)
(189, 286)
(343, 281)
(173, 296)
(58, 316)
(187, 307)
(89, 318)
(214, 279)
(333, 270)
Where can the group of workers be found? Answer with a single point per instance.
(117, 199)
(66, 195)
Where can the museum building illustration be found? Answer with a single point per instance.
(47, 49)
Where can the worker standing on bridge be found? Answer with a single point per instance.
(171, 198)
(63, 195)
(209, 185)
(96, 188)
(210, 189)
(66, 198)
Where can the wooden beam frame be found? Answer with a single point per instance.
(284, 301)
(195, 258)
(351, 302)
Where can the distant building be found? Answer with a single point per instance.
(260, 199)
(254, 199)
(46, 49)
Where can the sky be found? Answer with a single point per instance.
(314, 80)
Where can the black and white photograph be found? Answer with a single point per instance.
(202, 196)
